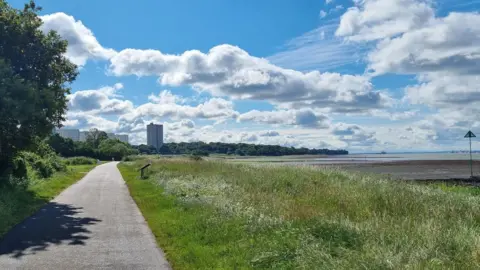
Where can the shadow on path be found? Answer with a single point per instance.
(53, 224)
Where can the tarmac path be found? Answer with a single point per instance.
(93, 224)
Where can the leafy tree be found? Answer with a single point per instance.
(63, 146)
(95, 137)
(34, 79)
(114, 148)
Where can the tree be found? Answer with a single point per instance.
(95, 137)
(34, 79)
(62, 146)
(114, 148)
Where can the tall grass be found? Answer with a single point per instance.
(20, 201)
(208, 215)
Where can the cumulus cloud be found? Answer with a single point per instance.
(230, 71)
(82, 44)
(442, 90)
(99, 101)
(183, 124)
(378, 19)
(165, 97)
(303, 117)
(448, 44)
(88, 121)
(354, 135)
(215, 108)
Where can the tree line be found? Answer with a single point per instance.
(240, 149)
(97, 145)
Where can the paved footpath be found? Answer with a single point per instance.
(94, 224)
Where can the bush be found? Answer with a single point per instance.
(133, 158)
(80, 161)
(58, 164)
(43, 168)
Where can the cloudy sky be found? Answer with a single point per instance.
(362, 75)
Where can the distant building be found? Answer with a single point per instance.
(83, 136)
(155, 135)
(77, 135)
(73, 134)
(122, 138)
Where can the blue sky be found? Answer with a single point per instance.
(365, 75)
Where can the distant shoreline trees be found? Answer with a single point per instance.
(97, 145)
(239, 149)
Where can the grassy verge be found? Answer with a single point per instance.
(18, 203)
(213, 215)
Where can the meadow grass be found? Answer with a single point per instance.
(217, 215)
(17, 203)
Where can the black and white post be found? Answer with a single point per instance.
(470, 135)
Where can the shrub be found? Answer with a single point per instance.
(43, 168)
(58, 164)
(80, 161)
(133, 158)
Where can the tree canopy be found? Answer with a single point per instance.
(97, 145)
(240, 149)
(34, 80)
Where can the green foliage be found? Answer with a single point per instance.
(112, 148)
(80, 161)
(43, 167)
(217, 215)
(34, 77)
(95, 137)
(240, 149)
(63, 146)
(97, 146)
(133, 158)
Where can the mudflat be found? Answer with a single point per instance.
(416, 169)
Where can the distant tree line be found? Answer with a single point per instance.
(97, 145)
(240, 149)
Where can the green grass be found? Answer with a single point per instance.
(18, 203)
(214, 215)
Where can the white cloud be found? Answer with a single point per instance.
(448, 44)
(99, 101)
(355, 135)
(183, 124)
(215, 108)
(230, 71)
(82, 44)
(328, 1)
(86, 121)
(303, 117)
(165, 97)
(378, 19)
(443, 90)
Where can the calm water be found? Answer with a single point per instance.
(369, 158)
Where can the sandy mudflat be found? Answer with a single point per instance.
(418, 169)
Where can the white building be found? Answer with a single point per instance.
(77, 135)
(83, 136)
(73, 134)
(155, 135)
